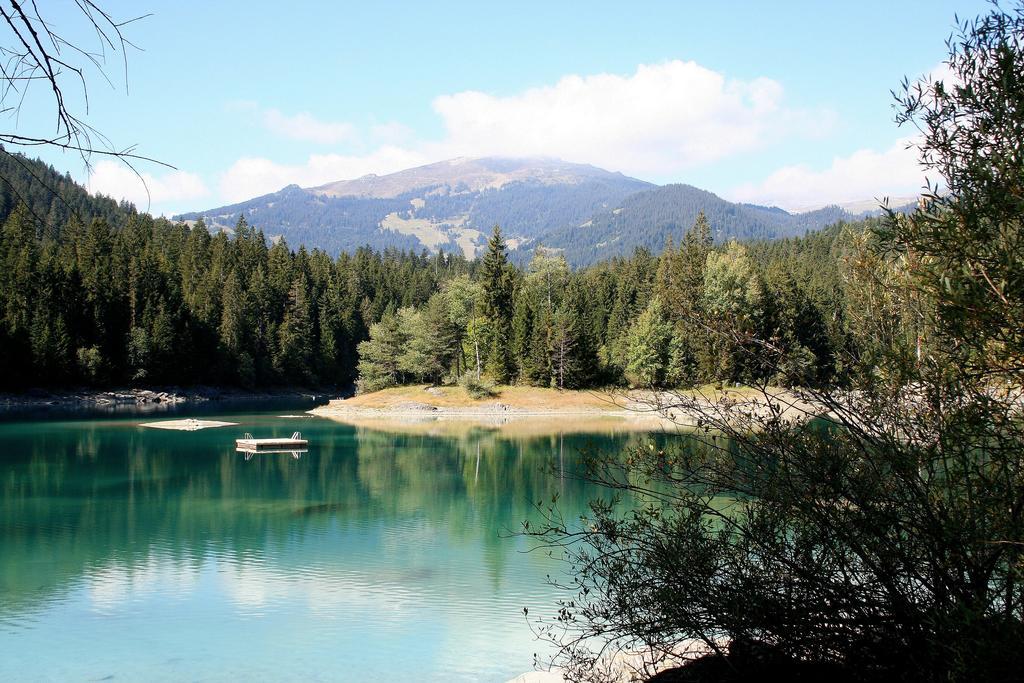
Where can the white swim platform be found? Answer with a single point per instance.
(248, 443)
(250, 446)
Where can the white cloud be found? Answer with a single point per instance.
(663, 118)
(865, 174)
(253, 176)
(304, 126)
(657, 121)
(120, 182)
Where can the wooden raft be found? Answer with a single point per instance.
(250, 444)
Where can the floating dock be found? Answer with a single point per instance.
(248, 444)
(249, 452)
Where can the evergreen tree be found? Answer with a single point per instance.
(563, 340)
(538, 362)
(522, 333)
(648, 347)
(293, 361)
(495, 278)
(576, 351)
(18, 265)
(497, 287)
(430, 346)
(680, 285)
(379, 355)
(732, 294)
(233, 323)
(461, 298)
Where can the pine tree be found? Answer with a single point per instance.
(429, 348)
(233, 323)
(581, 368)
(496, 279)
(461, 298)
(522, 332)
(18, 263)
(379, 355)
(162, 345)
(732, 293)
(293, 361)
(264, 311)
(564, 331)
(648, 344)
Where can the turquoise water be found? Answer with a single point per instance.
(135, 554)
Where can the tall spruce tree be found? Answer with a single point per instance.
(379, 356)
(293, 361)
(496, 277)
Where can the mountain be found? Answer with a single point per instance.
(472, 175)
(586, 212)
(650, 217)
(449, 205)
(864, 206)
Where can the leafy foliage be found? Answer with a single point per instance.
(477, 388)
(642, 320)
(883, 539)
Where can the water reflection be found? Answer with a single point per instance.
(248, 453)
(147, 554)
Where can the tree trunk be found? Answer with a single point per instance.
(476, 347)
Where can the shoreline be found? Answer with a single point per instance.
(160, 396)
(436, 410)
(425, 408)
(441, 421)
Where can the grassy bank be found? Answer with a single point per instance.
(433, 409)
(518, 398)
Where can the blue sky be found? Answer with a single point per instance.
(783, 103)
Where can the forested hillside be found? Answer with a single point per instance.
(147, 301)
(51, 198)
(334, 224)
(649, 218)
(639, 320)
(109, 296)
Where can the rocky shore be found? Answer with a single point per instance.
(147, 397)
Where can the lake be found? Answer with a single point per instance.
(137, 554)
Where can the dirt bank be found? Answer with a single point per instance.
(534, 408)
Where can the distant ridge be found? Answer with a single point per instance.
(586, 212)
(465, 174)
(450, 205)
(862, 206)
(650, 218)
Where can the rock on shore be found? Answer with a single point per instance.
(163, 396)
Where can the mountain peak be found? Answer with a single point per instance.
(466, 174)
